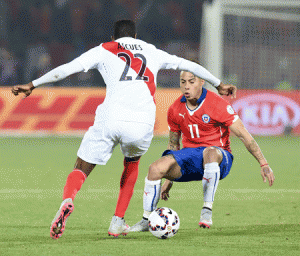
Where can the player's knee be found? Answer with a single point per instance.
(212, 154)
(156, 170)
(210, 151)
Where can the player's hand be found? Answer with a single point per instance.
(165, 195)
(227, 89)
(25, 88)
(165, 190)
(267, 173)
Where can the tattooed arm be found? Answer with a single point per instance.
(241, 132)
(174, 140)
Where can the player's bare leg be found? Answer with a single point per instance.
(212, 157)
(127, 182)
(165, 167)
(73, 184)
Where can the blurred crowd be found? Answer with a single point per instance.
(37, 36)
(261, 53)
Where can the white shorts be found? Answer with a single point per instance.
(100, 140)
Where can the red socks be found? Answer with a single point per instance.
(73, 183)
(129, 177)
(127, 182)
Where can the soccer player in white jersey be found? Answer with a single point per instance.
(204, 120)
(129, 68)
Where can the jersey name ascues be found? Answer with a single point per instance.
(122, 46)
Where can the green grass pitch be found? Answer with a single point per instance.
(250, 218)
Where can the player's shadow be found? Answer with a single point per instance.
(250, 230)
(41, 233)
(26, 233)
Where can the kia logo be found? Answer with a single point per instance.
(267, 114)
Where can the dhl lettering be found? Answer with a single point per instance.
(81, 125)
(46, 125)
(31, 106)
(86, 114)
(1, 105)
(68, 110)
(45, 118)
(14, 125)
(90, 105)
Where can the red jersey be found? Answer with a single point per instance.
(207, 125)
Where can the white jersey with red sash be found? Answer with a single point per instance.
(129, 68)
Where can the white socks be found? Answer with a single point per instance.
(151, 196)
(208, 205)
(210, 183)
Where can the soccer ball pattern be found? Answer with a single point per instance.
(163, 223)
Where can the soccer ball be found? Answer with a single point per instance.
(163, 223)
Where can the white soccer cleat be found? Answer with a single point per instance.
(141, 226)
(58, 224)
(118, 227)
(206, 218)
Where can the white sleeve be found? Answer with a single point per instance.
(91, 58)
(177, 63)
(59, 73)
(199, 71)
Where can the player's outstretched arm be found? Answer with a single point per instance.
(52, 76)
(241, 132)
(201, 72)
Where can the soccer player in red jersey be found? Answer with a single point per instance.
(129, 67)
(204, 120)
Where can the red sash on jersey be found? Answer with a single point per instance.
(136, 63)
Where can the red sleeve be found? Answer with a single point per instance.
(224, 112)
(173, 124)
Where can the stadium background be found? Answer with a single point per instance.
(253, 46)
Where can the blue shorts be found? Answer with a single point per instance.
(190, 161)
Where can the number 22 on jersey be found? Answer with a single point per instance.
(128, 60)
